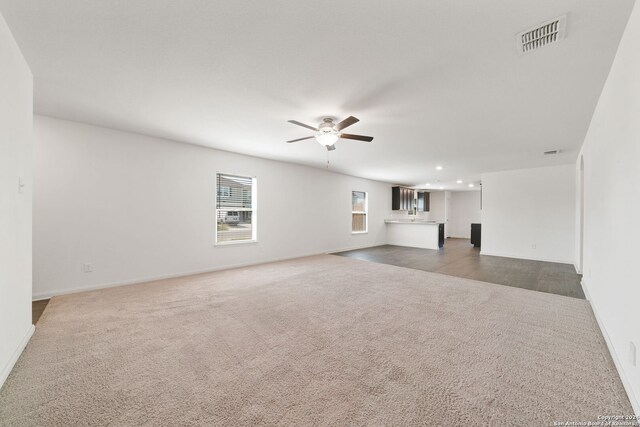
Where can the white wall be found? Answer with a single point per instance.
(465, 210)
(437, 205)
(138, 208)
(579, 222)
(16, 115)
(529, 213)
(447, 214)
(612, 207)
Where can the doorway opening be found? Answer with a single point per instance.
(581, 207)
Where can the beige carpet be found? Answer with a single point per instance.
(324, 340)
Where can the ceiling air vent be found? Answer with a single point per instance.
(541, 35)
(551, 152)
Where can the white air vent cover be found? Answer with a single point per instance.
(541, 35)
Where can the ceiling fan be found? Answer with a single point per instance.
(328, 133)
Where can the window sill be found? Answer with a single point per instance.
(235, 242)
(359, 232)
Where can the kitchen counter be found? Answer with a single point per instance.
(403, 232)
(411, 221)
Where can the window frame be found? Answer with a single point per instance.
(365, 212)
(253, 210)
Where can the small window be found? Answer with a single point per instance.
(235, 209)
(359, 221)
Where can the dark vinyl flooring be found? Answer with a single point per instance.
(459, 258)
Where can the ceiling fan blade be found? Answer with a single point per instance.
(295, 122)
(331, 147)
(300, 139)
(346, 122)
(356, 137)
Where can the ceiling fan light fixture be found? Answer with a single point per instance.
(328, 133)
(327, 139)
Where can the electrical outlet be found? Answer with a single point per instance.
(533, 246)
(632, 353)
(87, 268)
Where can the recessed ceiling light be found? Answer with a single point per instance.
(442, 188)
(459, 181)
(428, 183)
(470, 185)
(438, 168)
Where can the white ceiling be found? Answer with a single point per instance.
(435, 82)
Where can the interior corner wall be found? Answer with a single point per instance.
(465, 210)
(611, 154)
(139, 208)
(16, 115)
(530, 214)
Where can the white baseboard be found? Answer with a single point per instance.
(559, 261)
(616, 360)
(16, 354)
(37, 296)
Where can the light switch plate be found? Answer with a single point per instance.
(632, 353)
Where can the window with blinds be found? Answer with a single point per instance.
(235, 209)
(359, 212)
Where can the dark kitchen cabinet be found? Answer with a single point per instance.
(395, 198)
(401, 198)
(476, 235)
(423, 201)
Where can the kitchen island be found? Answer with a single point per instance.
(415, 233)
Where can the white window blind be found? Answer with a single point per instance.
(235, 209)
(359, 221)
